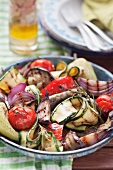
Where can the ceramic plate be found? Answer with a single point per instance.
(55, 26)
(102, 74)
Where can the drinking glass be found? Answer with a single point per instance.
(23, 26)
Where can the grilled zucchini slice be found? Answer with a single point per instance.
(60, 69)
(76, 128)
(74, 71)
(50, 143)
(68, 109)
(23, 135)
(89, 117)
(10, 79)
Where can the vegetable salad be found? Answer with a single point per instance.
(43, 106)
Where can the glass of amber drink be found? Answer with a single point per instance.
(23, 26)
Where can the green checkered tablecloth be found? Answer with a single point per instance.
(10, 159)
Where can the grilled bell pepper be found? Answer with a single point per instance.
(58, 85)
(56, 129)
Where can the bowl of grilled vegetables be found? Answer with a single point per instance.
(56, 107)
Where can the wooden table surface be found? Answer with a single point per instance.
(103, 158)
(99, 160)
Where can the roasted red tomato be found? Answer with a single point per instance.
(58, 85)
(43, 63)
(21, 118)
(105, 102)
(56, 129)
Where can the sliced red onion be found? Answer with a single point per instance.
(98, 93)
(22, 98)
(94, 87)
(95, 83)
(95, 91)
(91, 87)
(18, 88)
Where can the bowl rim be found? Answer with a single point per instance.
(57, 57)
(64, 153)
(78, 152)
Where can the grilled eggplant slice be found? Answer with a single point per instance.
(43, 111)
(25, 68)
(39, 77)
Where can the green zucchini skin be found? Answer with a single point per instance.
(50, 143)
(77, 72)
(70, 108)
(38, 137)
(33, 137)
(60, 69)
(76, 113)
(82, 109)
(89, 117)
(30, 138)
(23, 134)
(14, 75)
(71, 126)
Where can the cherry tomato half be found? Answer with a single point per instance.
(105, 102)
(21, 118)
(43, 63)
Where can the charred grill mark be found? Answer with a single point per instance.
(8, 85)
(87, 84)
(97, 82)
(43, 111)
(86, 139)
(72, 141)
(62, 88)
(11, 75)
